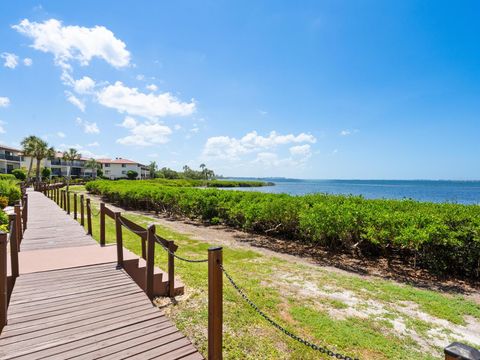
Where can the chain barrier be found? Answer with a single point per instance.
(134, 231)
(177, 256)
(322, 349)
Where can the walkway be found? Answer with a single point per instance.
(70, 300)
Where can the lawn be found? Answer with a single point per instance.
(359, 316)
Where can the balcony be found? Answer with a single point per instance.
(9, 157)
(60, 162)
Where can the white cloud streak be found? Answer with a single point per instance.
(144, 133)
(11, 60)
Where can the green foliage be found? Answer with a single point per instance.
(3, 202)
(46, 172)
(10, 190)
(19, 174)
(444, 238)
(7, 177)
(132, 175)
(208, 183)
(188, 173)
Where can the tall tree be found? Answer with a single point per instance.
(70, 156)
(152, 169)
(94, 165)
(28, 147)
(41, 151)
(204, 167)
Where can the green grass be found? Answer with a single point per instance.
(248, 336)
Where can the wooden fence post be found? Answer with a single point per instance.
(102, 224)
(89, 218)
(215, 303)
(150, 260)
(118, 231)
(3, 280)
(25, 212)
(82, 210)
(68, 202)
(75, 206)
(13, 244)
(18, 224)
(171, 269)
(61, 198)
(58, 195)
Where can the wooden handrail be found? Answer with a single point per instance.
(150, 260)
(119, 235)
(102, 224)
(75, 206)
(18, 224)
(3, 280)
(89, 217)
(14, 245)
(215, 303)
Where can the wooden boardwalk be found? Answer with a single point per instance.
(80, 306)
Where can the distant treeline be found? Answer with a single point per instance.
(209, 183)
(444, 238)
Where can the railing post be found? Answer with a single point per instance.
(58, 195)
(82, 210)
(18, 224)
(3, 280)
(75, 206)
(89, 218)
(171, 269)
(118, 232)
(61, 198)
(13, 244)
(68, 202)
(25, 212)
(150, 260)
(215, 303)
(102, 224)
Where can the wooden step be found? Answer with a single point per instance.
(136, 268)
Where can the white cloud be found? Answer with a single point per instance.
(84, 152)
(177, 127)
(232, 148)
(11, 60)
(152, 87)
(2, 128)
(78, 43)
(144, 133)
(27, 62)
(4, 101)
(347, 132)
(75, 101)
(88, 127)
(151, 106)
(84, 85)
(301, 150)
(140, 77)
(61, 134)
(93, 144)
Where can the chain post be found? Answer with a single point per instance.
(215, 303)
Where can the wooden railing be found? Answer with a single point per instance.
(18, 218)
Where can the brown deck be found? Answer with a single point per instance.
(67, 304)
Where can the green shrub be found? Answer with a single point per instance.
(10, 190)
(444, 238)
(7, 177)
(19, 174)
(46, 172)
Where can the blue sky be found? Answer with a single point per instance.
(311, 89)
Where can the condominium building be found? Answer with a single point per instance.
(11, 158)
(118, 168)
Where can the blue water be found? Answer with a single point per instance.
(463, 192)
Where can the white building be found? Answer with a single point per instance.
(11, 158)
(118, 168)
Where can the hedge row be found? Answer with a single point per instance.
(444, 238)
(210, 183)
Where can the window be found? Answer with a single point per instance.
(124, 165)
(107, 172)
(124, 172)
(107, 165)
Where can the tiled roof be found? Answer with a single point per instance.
(9, 148)
(117, 161)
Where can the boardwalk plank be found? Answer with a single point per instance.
(83, 312)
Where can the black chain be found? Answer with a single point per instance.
(134, 231)
(322, 349)
(177, 256)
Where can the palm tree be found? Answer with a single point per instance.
(28, 145)
(41, 151)
(94, 165)
(203, 167)
(152, 168)
(70, 156)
